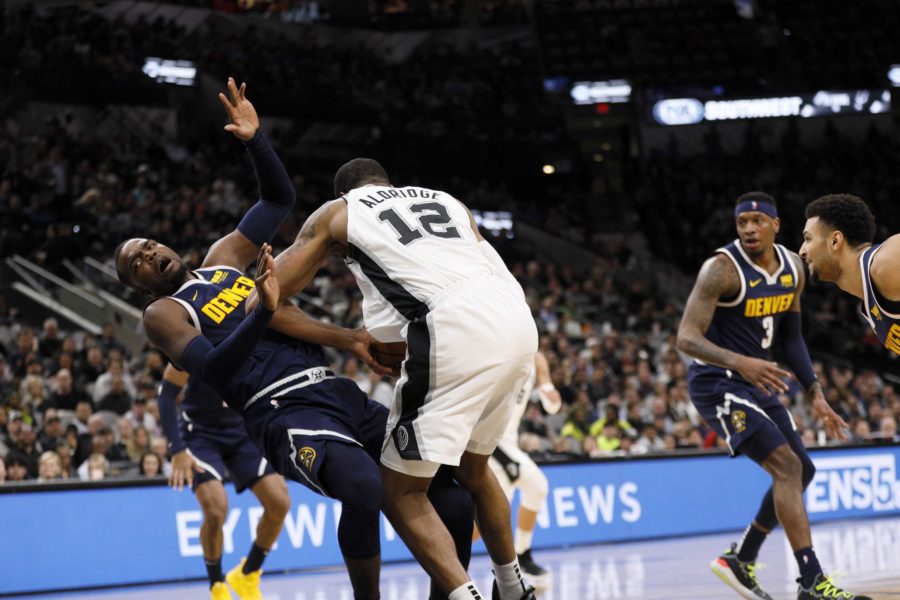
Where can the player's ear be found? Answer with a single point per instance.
(777, 224)
(837, 240)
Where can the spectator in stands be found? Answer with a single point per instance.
(575, 430)
(116, 451)
(611, 416)
(16, 467)
(117, 398)
(10, 423)
(65, 396)
(95, 468)
(27, 447)
(84, 410)
(150, 465)
(860, 432)
(139, 415)
(138, 444)
(34, 394)
(152, 367)
(124, 434)
(65, 451)
(89, 438)
(887, 430)
(648, 442)
(2, 469)
(50, 340)
(115, 370)
(52, 433)
(160, 446)
(92, 367)
(607, 441)
(26, 349)
(49, 467)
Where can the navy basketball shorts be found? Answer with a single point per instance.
(216, 450)
(738, 411)
(295, 439)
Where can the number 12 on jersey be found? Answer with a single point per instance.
(432, 217)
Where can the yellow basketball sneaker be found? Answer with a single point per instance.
(219, 591)
(246, 586)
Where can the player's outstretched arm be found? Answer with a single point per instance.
(183, 464)
(277, 194)
(719, 279)
(293, 322)
(323, 233)
(885, 268)
(796, 355)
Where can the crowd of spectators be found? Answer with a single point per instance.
(765, 46)
(77, 406)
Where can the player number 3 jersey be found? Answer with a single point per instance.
(748, 323)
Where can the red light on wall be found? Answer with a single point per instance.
(602, 108)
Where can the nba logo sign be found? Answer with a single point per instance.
(754, 204)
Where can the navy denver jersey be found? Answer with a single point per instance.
(278, 367)
(747, 323)
(883, 315)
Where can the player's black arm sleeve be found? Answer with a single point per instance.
(796, 354)
(277, 194)
(168, 414)
(217, 365)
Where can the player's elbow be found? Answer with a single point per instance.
(684, 340)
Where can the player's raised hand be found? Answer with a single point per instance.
(835, 426)
(764, 374)
(183, 467)
(242, 119)
(266, 282)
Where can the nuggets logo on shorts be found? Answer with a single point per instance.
(306, 456)
(739, 421)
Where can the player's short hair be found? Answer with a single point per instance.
(356, 173)
(122, 272)
(846, 213)
(756, 196)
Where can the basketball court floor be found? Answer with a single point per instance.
(864, 555)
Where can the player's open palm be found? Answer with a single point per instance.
(764, 374)
(835, 426)
(183, 467)
(242, 119)
(266, 282)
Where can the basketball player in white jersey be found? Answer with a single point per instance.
(514, 469)
(429, 279)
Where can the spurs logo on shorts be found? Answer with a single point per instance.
(739, 420)
(402, 437)
(306, 456)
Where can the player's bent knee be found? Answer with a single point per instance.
(785, 465)
(809, 471)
